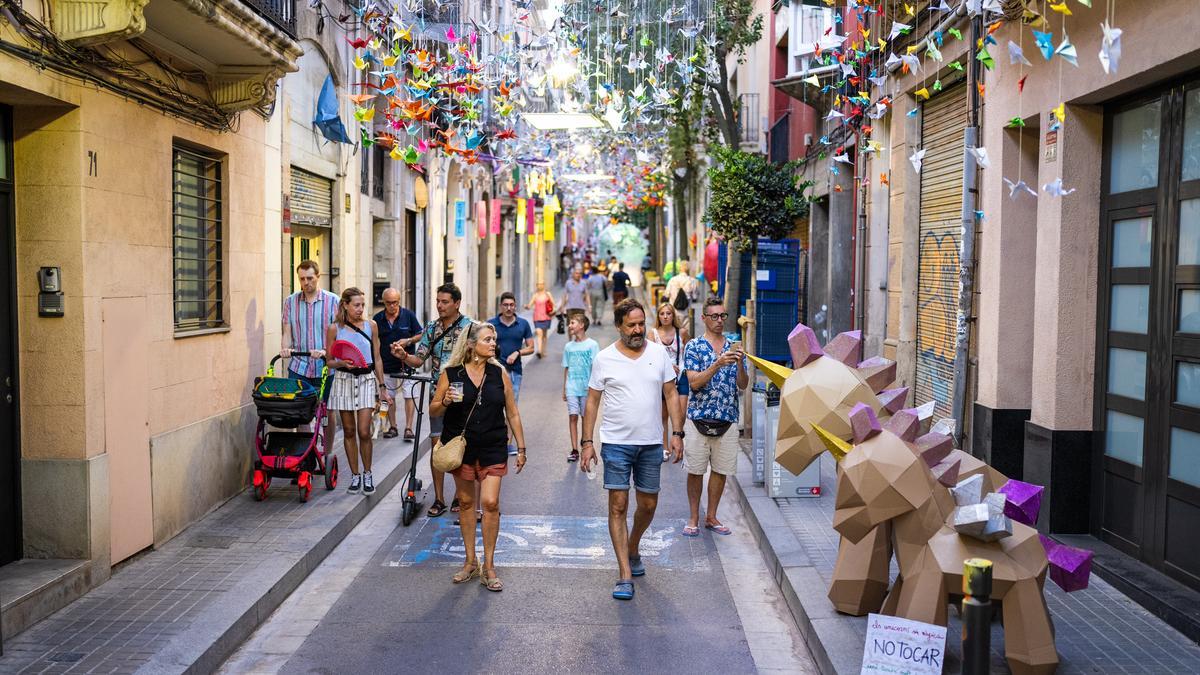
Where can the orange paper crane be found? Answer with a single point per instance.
(413, 110)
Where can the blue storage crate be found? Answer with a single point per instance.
(779, 294)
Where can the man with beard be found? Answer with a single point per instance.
(633, 377)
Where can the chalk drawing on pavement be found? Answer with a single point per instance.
(570, 542)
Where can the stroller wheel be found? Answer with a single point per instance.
(262, 483)
(305, 484)
(331, 473)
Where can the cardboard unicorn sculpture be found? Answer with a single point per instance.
(894, 496)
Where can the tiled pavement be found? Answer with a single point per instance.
(1098, 630)
(187, 605)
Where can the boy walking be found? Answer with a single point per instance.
(578, 355)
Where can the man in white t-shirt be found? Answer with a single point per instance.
(633, 377)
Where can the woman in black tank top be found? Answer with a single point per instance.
(481, 408)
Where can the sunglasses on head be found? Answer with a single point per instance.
(714, 315)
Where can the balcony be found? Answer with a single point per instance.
(749, 126)
(282, 13)
(241, 48)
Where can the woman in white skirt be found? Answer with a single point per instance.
(356, 387)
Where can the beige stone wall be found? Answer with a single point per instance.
(1038, 282)
(93, 197)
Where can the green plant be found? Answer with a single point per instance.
(751, 198)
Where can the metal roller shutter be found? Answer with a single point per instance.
(311, 199)
(943, 122)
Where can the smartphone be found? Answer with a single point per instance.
(736, 346)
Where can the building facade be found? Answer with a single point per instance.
(1081, 364)
(140, 193)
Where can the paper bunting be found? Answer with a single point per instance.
(1016, 54)
(1110, 48)
(984, 57)
(1056, 188)
(1066, 50)
(981, 156)
(1044, 42)
(1019, 186)
(916, 158)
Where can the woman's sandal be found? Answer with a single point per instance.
(436, 509)
(454, 506)
(464, 576)
(494, 584)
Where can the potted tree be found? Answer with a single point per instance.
(750, 198)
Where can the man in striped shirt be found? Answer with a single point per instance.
(306, 315)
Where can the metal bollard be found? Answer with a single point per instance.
(977, 616)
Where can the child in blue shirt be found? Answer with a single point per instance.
(577, 370)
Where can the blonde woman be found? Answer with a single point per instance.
(475, 394)
(668, 331)
(356, 388)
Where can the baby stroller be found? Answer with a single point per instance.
(287, 403)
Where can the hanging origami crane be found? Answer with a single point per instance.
(1110, 48)
(916, 158)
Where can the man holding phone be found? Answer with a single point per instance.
(716, 371)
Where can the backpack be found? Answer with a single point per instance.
(680, 302)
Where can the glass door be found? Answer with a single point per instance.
(1147, 496)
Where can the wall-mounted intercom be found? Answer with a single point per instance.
(50, 295)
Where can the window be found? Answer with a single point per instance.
(197, 220)
(809, 26)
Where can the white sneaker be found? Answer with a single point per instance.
(368, 483)
(355, 484)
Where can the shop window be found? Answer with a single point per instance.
(198, 230)
(1123, 437)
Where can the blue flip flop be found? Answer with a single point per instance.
(623, 590)
(636, 568)
(689, 531)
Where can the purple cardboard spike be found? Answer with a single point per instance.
(863, 422)
(878, 372)
(905, 425)
(846, 347)
(802, 342)
(946, 471)
(1024, 501)
(934, 447)
(1070, 567)
(893, 399)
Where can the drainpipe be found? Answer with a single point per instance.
(966, 254)
(860, 241)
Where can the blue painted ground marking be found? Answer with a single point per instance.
(570, 542)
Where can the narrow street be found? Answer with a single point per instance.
(383, 601)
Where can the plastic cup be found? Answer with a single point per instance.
(591, 472)
(456, 391)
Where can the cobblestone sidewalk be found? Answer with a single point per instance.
(187, 605)
(1097, 629)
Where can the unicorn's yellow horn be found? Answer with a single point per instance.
(836, 446)
(774, 372)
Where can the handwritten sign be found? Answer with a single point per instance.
(896, 645)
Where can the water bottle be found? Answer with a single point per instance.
(381, 419)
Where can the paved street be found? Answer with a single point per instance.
(383, 600)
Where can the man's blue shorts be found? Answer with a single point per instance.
(643, 461)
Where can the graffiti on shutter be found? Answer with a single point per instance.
(312, 199)
(943, 122)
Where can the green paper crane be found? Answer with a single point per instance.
(955, 32)
(1015, 123)
(985, 58)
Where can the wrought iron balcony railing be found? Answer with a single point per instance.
(282, 13)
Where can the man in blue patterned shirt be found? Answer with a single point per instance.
(716, 370)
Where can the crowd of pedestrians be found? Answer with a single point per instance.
(641, 389)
